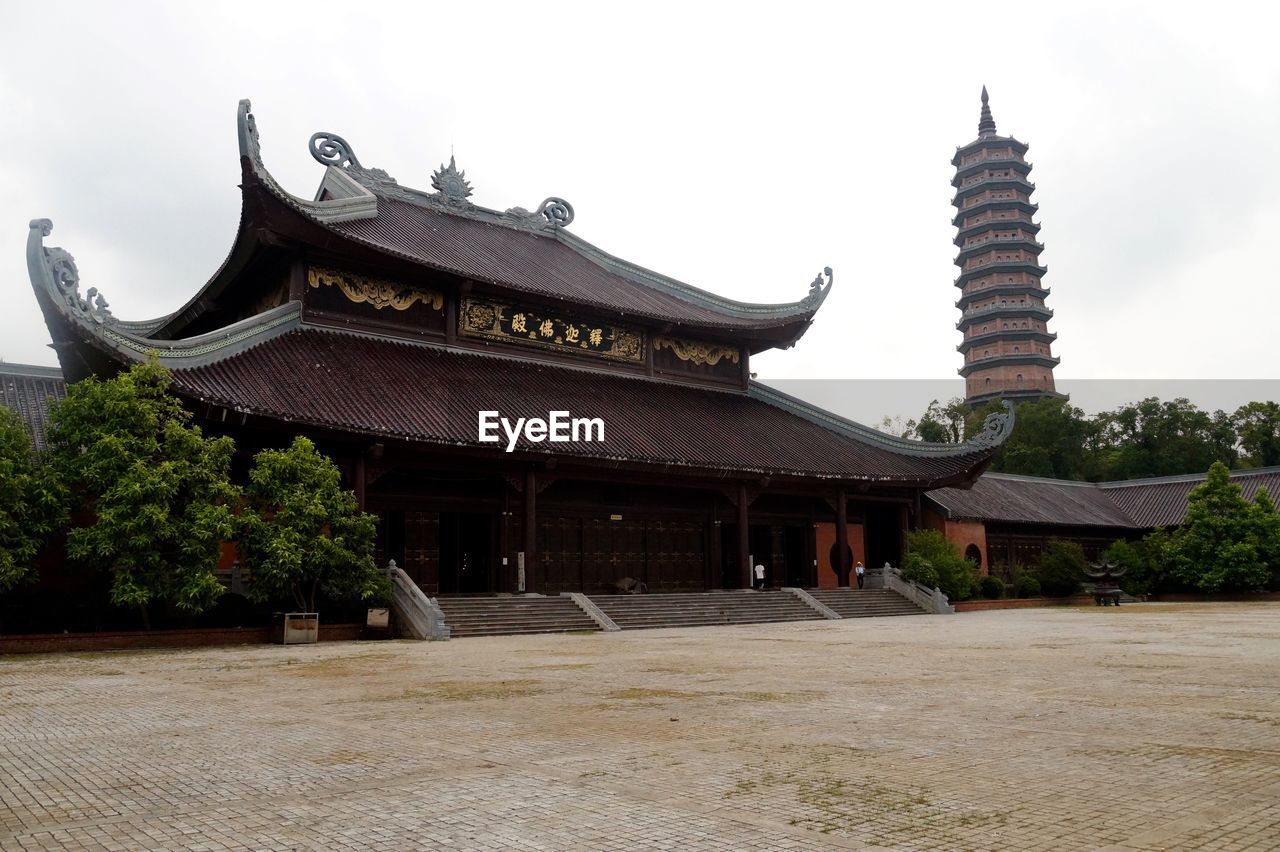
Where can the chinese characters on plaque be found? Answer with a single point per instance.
(496, 321)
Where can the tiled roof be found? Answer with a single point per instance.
(415, 392)
(28, 391)
(1030, 500)
(534, 263)
(1134, 504)
(1162, 501)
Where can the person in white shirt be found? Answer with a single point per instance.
(861, 572)
(759, 572)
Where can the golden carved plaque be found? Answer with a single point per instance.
(697, 352)
(374, 291)
(497, 321)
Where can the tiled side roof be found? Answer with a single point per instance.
(28, 391)
(1029, 500)
(1162, 502)
(401, 390)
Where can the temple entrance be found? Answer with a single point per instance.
(884, 528)
(783, 550)
(466, 551)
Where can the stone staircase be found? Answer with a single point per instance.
(864, 603)
(703, 609)
(504, 616)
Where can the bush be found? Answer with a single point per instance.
(929, 549)
(916, 568)
(992, 587)
(1061, 568)
(1027, 586)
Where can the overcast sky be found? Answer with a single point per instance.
(738, 148)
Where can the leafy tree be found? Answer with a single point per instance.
(1221, 541)
(156, 489)
(1154, 438)
(1146, 562)
(1258, 426)
(303, 535)
(930, 551)
(1060, 569)
(943, 424)
(32, 503)
(1266, 522)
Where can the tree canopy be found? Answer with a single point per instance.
(32, 503)
(156, 491)
(1053, 438)
(301, 534)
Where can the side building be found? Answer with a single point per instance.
(1006, 520)
(382, 321)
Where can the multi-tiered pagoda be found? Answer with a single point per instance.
(1003, 315)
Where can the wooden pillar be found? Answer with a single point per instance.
(842, 539)
(358, 479)
(744, 539)
(530, 529)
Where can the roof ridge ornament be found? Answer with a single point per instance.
(557, 212)
(817, 289)
(330, 149)
(451, 184)
(65, 278)
(996, 428)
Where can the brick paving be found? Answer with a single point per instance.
(1147, 727)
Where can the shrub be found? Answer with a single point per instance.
(31, 503)
(1061, 568)
(916, 568)
(1027, 586)
(992, 587)
(955, 574)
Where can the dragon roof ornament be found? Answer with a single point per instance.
(996, 428)
(56, 269)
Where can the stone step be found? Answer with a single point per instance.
(508, 616)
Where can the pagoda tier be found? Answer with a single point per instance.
(1007, 343)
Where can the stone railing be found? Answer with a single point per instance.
(932, 600)
(419, 615)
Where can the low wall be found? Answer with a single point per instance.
(44, 643)
(1022, 603)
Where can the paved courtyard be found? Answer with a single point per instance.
(1148, 727)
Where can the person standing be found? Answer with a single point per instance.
(759, 572)
(860, 572)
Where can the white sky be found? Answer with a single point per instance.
(739, 148)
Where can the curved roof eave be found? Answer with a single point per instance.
(56, 282)
(995, 430)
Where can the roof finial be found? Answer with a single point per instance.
(986, 124)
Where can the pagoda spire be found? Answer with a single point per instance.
(986, 124)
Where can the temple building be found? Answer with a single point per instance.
(386, 323)
(1007, 342)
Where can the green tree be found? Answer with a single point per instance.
(1049, 439)
(157, 490)
(1266, 522)
(1060, 568)
(1258, 426)
(1154, 438)
(1219, 546)
(32, 503)
(930, 556)
(943, 424)
(1146, 562)
(302, 535)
